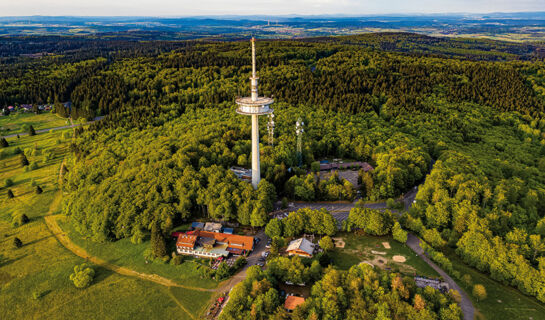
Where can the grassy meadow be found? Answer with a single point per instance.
(126, 254)
(34, 279)
(502, 302)
(358, 248)
(20, 122)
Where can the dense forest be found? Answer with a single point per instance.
(359, 293)
(465, 123)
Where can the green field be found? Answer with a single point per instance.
(126, 254)
(20, 122)
(34, 279)
(358, 248)
(503, 302)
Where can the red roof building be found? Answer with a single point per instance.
(292, 302)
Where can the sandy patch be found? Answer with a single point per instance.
(378, 252)
(399, 258)
(386, 245)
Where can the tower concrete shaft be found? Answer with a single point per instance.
(254, 106)
(256, 170)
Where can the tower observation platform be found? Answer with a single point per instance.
(254, 106)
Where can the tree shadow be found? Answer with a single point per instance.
(10, 261)
(101, 274)
(38, 240)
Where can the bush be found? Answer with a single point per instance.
(239, 263)
(10, 194)
(223, 271)
(284, 203)
(19, 220)
(315, 166)
(4, 143)
(398, 233)
(31, 131)
(39, 190)
(326, 243)
(466, 279)
(479, 292)
(177, 259)
(8, 183)
(83, 275)
(33, 166)
(17, 243)
(24, 160)
(17, 151)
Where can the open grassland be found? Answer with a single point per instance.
(503, 302)
(358, 248)
(126, 254)
(20, 122)
(34, 279)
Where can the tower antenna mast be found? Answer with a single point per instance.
(255, 106)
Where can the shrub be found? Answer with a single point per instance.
(83, 275)
(398, 233)
(284, 203)
(10, 194)
(31, 131)
(8, 183)
(33, 166)
(239, 263)
(17, 151)
(223, 271)
(479, 292)
(17, 243)
(24, 160)
(326, 243)
(4, 143)
(177, 259)
(315, 166)
(466, 279)
(39, 190)
(19, 220)
(158, 243)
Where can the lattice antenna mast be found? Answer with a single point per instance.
(299, 132)
(270, 129)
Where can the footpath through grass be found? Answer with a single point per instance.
(34, 279)
(124, 253)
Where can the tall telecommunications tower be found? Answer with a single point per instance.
(299, 132)
(254, 106)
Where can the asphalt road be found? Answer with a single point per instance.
(467, 307)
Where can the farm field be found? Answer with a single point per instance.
(34, 279)
(358, 249)
(19, 122)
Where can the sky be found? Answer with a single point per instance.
(261, 7)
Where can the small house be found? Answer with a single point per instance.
(301, 247)
(292, 302)
(213, 227)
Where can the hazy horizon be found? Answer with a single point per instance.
(184, 8)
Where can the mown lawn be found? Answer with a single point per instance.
(127, 254)
(503, 302)
(20, 122)
(34, 279)
(358, 248)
